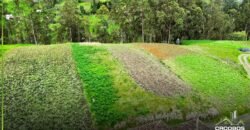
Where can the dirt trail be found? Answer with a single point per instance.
(243, 58)
(148, 72)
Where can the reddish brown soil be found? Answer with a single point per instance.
(164, 51)
(149, 72)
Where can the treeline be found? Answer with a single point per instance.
(56, 21)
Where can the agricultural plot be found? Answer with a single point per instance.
(164, 51)
(42, 90)
(149, 73)
(6, 48)
(219, 82)
(81, 86)
(117, 101)
(113, 96)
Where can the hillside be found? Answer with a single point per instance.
(102, 86)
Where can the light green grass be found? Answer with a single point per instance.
(42, 90)
(225, 50)
(228, 89)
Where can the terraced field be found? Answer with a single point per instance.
(214, 73)
(148, 72)
(42, 90)
(81, 86)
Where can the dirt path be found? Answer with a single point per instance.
(148, 72)
(243, 58)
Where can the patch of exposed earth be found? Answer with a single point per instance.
(164, 51)
(149, 72)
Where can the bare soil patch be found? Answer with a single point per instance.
(164, 51)
(148, 72)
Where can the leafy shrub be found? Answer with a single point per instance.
(237, 36)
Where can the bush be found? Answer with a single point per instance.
(238, 36)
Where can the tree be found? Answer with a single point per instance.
(170, 16)
(194, 21)
(69, 18)
(244, 13)
(218, 23)
(102, 10)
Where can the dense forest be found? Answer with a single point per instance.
(57, 21)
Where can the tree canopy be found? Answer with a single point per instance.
(55, 21)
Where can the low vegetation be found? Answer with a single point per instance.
(224, 50)
(98, 83)
(42, 90)
(6, 48)
(115, 97)
(220, 83)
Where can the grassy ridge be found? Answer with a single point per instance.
(228, 89)
(42, 90)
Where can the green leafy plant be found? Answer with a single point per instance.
(98, 84)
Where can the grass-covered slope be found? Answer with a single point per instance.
(113, 96)
(42, 90)
(227, 88)
(211, 68)
(225, 50)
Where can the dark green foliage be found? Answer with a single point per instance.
(98, 84)
(42, 90)
(46, 22)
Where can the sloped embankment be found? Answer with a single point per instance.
(243, 58)
(42, 90)
(148, 72)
